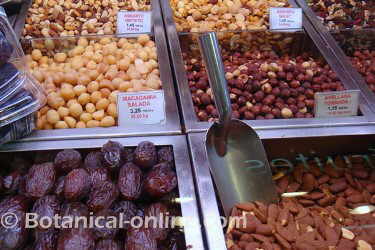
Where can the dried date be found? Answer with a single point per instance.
(76, 184)
(112, 154)
(47, 206)
(160, 181)
(125, 209)
(98, 175)
(73, 210)
(102, 196)
(59, 187)
(108, 245)
(145, 155)
(105, 228)
(94, 160)
(40, 180)
(76, 239)
(130, 181)
(67, 160)
(140, 239)
(165, 154)
(12, 182)
(46, 240)
(157, 211)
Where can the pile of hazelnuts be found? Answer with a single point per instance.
(262, 84)
(364, 62)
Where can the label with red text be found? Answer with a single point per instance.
(133, 22)
(285, 18)
(336, 104)
(141, 108)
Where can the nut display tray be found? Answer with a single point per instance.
(141, 57)
(43, 151)
(323, 158)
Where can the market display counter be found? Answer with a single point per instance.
(285, 156)
(185, 198)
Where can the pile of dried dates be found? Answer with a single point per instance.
(320, 218)
(111, 182)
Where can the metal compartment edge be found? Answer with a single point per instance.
(193, 235)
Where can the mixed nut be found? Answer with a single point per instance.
(265, 82)
(82, 77)
(220, 15)
(320, 219)
(111, 182)
(345, 14)
(54, 18)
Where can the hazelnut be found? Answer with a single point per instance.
(202, 116)
(276, 112)
(286, 113)
(249, 115)
(255, 110)
(258, 96)
(267, 88)
(265, 109)
(205, 99)
(269, 116)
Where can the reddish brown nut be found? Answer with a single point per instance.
(355, 198)
(323, 179)
(309, 182)
(360, 173)
(338, 187)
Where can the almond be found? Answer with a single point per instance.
(363, 245)
(347, 234)
(323, 179)
(338, 187)
(309, 182)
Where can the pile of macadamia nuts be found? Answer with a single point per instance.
(220, 15)
(53, 18)
(266, 80)
(83, 76)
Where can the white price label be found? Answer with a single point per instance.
(133, 22)
(336, 104)
(141, 108)
(285, 18)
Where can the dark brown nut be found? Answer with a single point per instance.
(40, 180)
(76, 184)
(338, 187)
(130, 181)
(309, 182)
(67, 160)
(145, 155)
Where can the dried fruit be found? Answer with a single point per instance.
(165, 154)
(106, 227)
(102, 196)
(112, 154)
(59, 187)
(67, 160)
(157, 211)
(74, 210)
(140, 239)
(40, 180)
(107, 244)
(77, 239)
(45, 240)
(94, 160)
(145, 155)
(127, 209)
(130, 181)
(48, 206)
(160, 181)
(12, 181)
(98, 175)
(76, 184)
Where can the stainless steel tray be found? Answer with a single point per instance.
(308, 145)
(169, 127)
(278, 126)
(189, 207)
(339, 53)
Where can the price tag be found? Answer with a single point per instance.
(141, 108)
(285, 18)
(133, 22)
(336, 104)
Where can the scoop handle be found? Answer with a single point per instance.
(215, 69)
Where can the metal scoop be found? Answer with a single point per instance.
(237, 158)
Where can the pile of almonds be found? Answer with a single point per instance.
(364, 62)
(320, 219)
(262, 84)
(53, 18)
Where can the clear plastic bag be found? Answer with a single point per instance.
(20, 94)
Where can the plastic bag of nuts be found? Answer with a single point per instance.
(82, 77)
(267, 77)
(219, 15)
(54, 18)
(321, 218)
